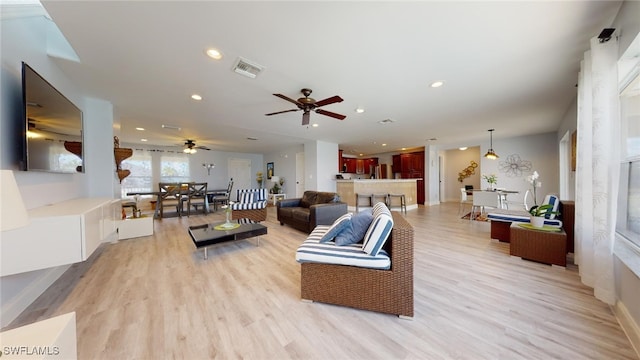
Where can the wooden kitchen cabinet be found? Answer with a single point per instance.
(411, 166)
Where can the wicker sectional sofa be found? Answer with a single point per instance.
(387, 291)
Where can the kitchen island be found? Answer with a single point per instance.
(347, 189)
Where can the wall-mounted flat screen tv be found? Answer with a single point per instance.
(54, 140)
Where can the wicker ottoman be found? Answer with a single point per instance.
(537, 245)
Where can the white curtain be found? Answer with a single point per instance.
(597, 167)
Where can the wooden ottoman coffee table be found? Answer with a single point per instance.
(548, 247)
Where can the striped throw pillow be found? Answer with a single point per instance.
(379, 230)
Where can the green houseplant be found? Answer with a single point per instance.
(492, 179)
(538, 214)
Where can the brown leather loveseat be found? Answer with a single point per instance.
(313, 208)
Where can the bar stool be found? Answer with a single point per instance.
(361, 196)
(403, 202)
(375, 198)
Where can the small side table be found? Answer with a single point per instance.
(135, 227)
(542, 246)
(276, 197)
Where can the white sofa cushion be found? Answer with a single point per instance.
(520, 216)
(311, 250)
(379, 230)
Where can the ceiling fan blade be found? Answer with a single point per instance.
(332, 114)
(280, 112)
(283, 97)
(203, 147)
(305, 118)
(327, 101)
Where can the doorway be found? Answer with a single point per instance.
(240, 171)
(299, 174)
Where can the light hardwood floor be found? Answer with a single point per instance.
(156, 297)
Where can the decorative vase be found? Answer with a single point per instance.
(227, 223)
(537, 221)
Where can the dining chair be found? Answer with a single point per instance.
(197, 196)
(469, 191)
(484, 199)
(169, 196)
(222, 199)
(465, 199)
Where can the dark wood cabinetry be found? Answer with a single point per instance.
(411, 166)
(356, 166)
(349, 165)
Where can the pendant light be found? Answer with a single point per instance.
(491, 154)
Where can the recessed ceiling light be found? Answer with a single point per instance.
(214, 54)
(172, 127)
(403, 149)
(143, 139)
(359, 110)
(315, 125)
(384, 144)
(196, 97)
(463, 148)
(140, 128)
(437, 84)
(361, 154)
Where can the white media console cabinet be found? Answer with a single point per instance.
(59, 234)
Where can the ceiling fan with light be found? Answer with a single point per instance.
(191, 148)
(307, 104)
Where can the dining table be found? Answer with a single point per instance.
(157, 194)
(502, 195)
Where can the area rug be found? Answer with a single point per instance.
(476, 216)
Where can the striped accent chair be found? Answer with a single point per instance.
(251, 204)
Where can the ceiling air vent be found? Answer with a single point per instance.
(386, 121)
(247, 68)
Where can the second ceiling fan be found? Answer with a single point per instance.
(307, 104)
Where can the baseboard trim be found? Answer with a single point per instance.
(29, 294)
(628, 324)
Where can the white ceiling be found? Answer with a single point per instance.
(508, 65)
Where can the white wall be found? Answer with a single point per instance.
(627, 23)
(98, 115)
(25, 39)
(284, 165)
(321, 164)
(454, 162)
(219, 175)
(540, 150)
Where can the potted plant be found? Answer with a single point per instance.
(538, 214)
(492, 179)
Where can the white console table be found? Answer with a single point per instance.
(135, 227)
(59, 234)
